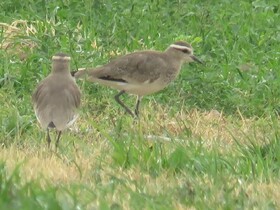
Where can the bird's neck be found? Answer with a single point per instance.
(176, 59)
(60, 68)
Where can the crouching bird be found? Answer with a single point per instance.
(57, 98)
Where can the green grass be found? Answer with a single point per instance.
(213, 145)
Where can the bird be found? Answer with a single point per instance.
(57, 98)
(142, 72)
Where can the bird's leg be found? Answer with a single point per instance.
(117, 98)
(48, 138)
(57, 140)
(137, 106)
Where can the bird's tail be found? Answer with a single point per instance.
(79, 73)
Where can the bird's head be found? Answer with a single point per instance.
(61, 62)
(184, 51)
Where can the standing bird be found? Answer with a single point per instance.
(57, 97)
(141, 73)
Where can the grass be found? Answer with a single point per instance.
(213, 145)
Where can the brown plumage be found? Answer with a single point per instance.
(57, 97)
(141, 73)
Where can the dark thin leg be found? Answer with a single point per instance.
(137, 106)
(57, 140)
(48, 138)
(117, 98)
(76, 149)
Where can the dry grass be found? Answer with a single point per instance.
(212, 127)
(16, 38)
(91, 164)
(20, 38)
(264, 192)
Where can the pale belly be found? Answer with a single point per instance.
(142, 89)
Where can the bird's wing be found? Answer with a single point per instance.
(72, 94)
(136, 67)
(39, 93)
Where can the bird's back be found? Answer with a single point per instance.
(55, 101)
(134, 68)
(140, 73)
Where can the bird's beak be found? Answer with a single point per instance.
(196, 59)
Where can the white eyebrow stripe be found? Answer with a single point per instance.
(180, 47)
(56, 57)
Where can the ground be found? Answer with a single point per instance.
(210, 140)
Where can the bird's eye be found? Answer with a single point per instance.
(186, 51)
